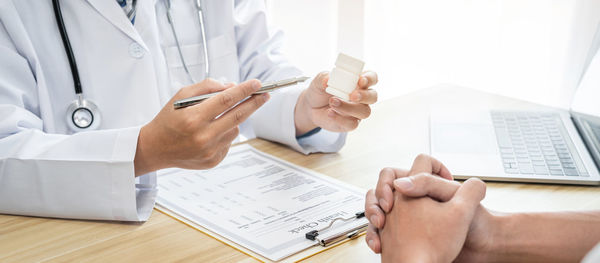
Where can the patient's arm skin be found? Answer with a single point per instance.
(540, 237)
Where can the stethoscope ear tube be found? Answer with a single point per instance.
(203, 32)
(81, 114)
(200, 11)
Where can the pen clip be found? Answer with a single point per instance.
(267, 87)
(337, 237)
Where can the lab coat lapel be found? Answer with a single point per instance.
(113, 13)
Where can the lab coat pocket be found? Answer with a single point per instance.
(223, 62)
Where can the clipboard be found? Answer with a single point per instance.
(343, 224)
(302, 255)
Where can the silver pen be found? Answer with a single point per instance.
(266, 87)
(337, 237)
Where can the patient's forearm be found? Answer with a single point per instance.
(545, 237)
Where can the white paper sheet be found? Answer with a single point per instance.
(260, 202)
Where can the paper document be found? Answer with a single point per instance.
(260, 202)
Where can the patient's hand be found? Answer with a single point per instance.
(381, 200)
(424, 229)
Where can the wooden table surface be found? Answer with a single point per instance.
(396, 132)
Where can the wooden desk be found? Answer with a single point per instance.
(396, 132)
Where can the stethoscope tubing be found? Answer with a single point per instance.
(67, 45)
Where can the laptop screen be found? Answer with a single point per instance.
(589, 129)
(585, 108)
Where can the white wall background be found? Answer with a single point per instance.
(529, 49)
(311, 30)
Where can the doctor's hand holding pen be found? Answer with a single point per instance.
(317, 108)
(193, 137)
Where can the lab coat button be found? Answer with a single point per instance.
(135, 50)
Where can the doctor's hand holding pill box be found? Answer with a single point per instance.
(337, 101)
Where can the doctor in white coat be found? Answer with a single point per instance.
(133, 73)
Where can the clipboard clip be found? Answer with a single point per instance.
(335, 238)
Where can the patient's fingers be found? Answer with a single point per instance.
(372, 239)
(384, 190)
(470, 194)
(372, 210)
(424, 184)
(427, 164)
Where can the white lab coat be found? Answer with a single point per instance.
(130, 72)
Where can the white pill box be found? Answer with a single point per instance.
(344, 77)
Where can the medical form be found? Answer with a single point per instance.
(260, 202)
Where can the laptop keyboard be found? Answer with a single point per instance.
(536, 143)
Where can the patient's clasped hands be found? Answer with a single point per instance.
(422, 216)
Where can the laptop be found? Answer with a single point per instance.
(549, 146)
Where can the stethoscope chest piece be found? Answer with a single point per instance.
(83, 115)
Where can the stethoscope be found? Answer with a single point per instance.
(83, 114)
